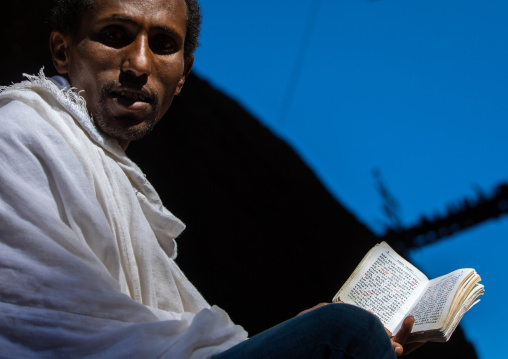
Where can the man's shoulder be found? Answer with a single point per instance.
(22, 125)
(18, 115)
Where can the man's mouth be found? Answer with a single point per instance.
(129, 97)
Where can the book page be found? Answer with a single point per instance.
(386, 286)
(432, 308)
(469, 302)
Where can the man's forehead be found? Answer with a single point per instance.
(160, 9)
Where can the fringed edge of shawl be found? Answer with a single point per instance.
(67, 95)
(69, 98)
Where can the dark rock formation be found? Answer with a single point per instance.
(265, 239)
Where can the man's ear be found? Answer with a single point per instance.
(59, 45)
(188, 61)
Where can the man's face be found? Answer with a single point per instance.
(128, 60)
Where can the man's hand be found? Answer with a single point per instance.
(399, 340)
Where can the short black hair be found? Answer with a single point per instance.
(65, 17)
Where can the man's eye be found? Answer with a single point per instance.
(166, 46)
(163, 45)
(113, 36)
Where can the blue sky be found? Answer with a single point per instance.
(416, 89)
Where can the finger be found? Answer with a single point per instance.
(408, 348)
(405, 330)
(397, 348)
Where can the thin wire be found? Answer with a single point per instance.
(298, 65)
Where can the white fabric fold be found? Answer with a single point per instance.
(86, 247)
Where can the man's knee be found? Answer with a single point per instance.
(349, 329)
(344, 318)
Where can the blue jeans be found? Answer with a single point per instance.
(333, 331)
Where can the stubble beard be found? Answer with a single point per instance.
(125, 128)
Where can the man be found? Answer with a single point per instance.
(86, 247)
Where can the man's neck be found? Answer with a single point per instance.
(124, 144)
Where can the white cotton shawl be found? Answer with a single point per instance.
(86, 246)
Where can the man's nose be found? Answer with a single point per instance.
(138, 58)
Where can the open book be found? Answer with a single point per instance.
(390, 287)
